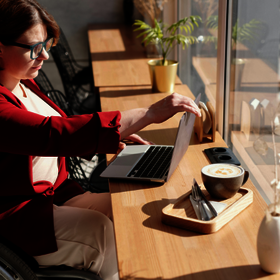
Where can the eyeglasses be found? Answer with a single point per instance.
(36, 49)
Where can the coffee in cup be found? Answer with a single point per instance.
(223, 180)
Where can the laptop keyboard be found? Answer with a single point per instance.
(154, 163)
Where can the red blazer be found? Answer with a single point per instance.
(26, 209)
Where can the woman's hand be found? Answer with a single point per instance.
(169, 106)
(135, 119)
(134, 138)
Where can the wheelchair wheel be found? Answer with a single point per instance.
(12, 267)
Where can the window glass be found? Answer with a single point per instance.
(252, 97)
(252, 110)
(198, 64)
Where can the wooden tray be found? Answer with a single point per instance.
(181, 213)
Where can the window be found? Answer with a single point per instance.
(252, 96)
(238, 72)
(197, 67)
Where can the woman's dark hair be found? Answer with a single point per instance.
(17, 16)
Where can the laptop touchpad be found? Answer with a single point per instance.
(127, 159)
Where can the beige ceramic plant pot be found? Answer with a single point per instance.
(163, 76)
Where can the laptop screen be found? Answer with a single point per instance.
(183, 138)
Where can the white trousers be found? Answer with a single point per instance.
(85, 236)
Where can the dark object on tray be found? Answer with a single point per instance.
(221, 155)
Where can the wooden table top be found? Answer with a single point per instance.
(118, 58)
(149, 249)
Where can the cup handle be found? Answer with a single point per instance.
(246, 177)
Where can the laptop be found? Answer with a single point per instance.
(153, 162)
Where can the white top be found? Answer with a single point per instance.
(44, 168)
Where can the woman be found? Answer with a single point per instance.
(47, 215)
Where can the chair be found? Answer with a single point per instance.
(86, 173)
(55, 95)
(83, 74)
(81, 100)
(43, 82)
(17, 265)
(59, 99)
(12, 265)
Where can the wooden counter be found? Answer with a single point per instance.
(118, 58)
(149, 249)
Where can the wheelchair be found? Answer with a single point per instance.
(17, 265)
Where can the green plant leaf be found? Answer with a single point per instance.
(248, 31)
(141, 34)
(167, 36)
(212, 22)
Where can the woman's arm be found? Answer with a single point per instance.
(28, 133)
(136, 119)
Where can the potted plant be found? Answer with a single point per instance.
(247, 32)
(240, 33)
(163, 71)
